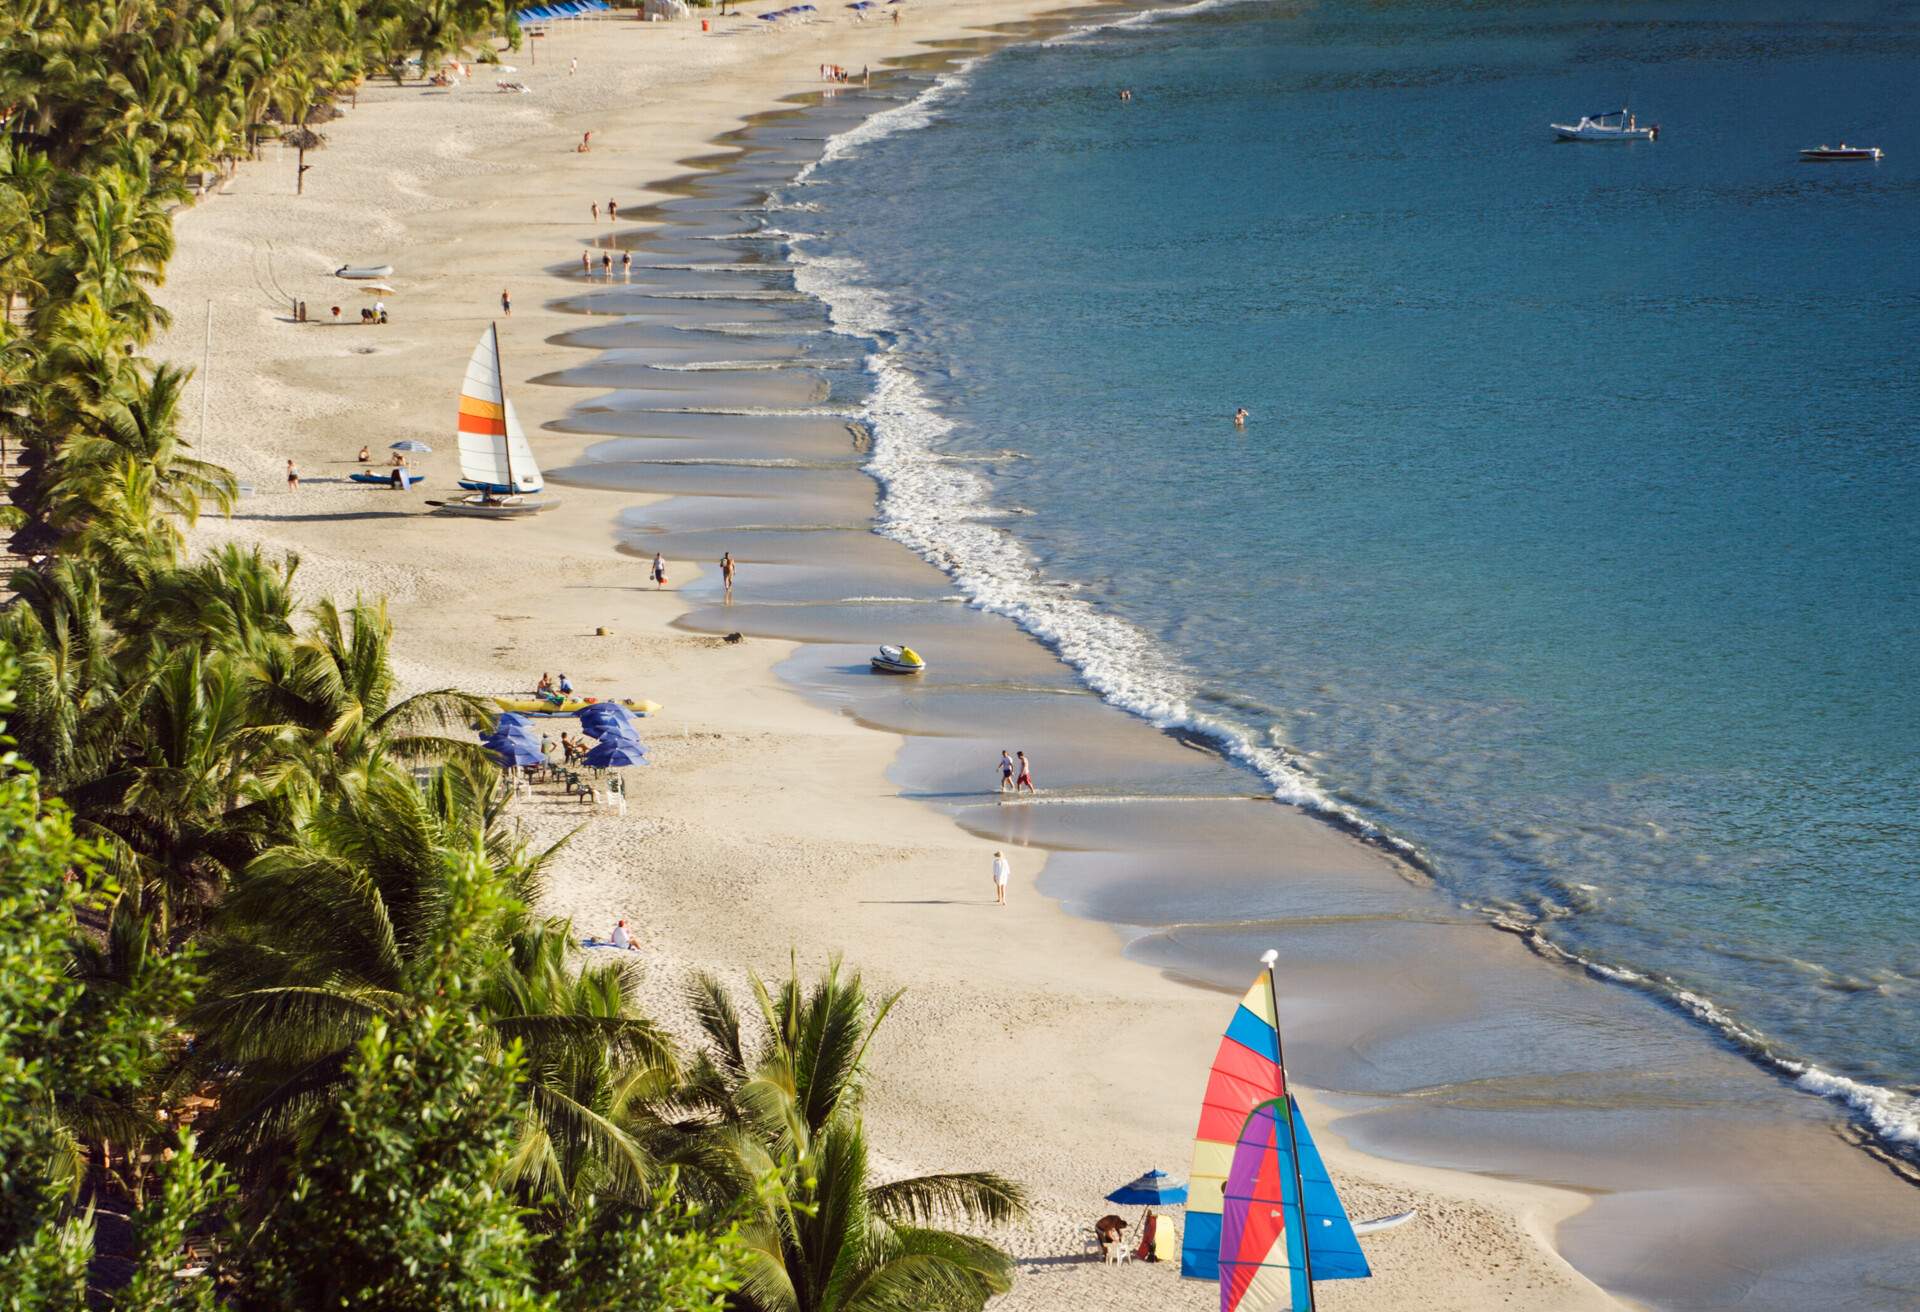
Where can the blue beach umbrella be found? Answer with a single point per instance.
(601, 714)
(613, 754)
(1154, 1189)
(410, 444)
(513, 719)
(612, 731)
(509, 751)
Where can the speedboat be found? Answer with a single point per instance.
(1620, 125)
(899, 660)
(1839, 154)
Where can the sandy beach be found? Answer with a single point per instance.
(785, 815)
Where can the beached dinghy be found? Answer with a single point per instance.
(407, 476)
(570, 705)
(1620, 125)
(899, 660)
(361, 272)
(496, 463)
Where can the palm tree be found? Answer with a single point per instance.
(822, 1236)
(327, 931)
(337, 687)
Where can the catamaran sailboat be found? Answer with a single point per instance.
(496, 463)
(1263, 1217)
(1619, 125)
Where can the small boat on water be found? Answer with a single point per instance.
(1840, 154)
(496, 463)
(1618, 125)
(899, 660)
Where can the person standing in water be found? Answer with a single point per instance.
(1025, 779)
(1001, 873)
(626, 264)
(1006, 771)
(586, 266)
(1240, 417)
(606, 264)
(726, 575)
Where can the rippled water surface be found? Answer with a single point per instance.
(1573, 538)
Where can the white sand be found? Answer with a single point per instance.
(1025, 1042)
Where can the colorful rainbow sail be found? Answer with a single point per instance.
(1253, 1161)
(494, 454)
(1271, 1249)
(1246, 1073)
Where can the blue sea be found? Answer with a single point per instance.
(1572, 547)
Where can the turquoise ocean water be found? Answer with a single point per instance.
(1572, 547)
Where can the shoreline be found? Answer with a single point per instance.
(723, 813)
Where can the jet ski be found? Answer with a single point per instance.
(899, 660)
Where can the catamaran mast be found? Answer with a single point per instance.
(1293, 1144)
(506, 441)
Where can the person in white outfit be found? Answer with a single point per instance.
(1001, 873)
(621, 939)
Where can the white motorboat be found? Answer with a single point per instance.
(1840, 154)
(899, 660)
(363, 272)
(1620, 125)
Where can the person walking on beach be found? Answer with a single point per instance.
(586, 266)
(1006, 771)
(1001, 873)
(293, 478)
(506, 303)
(726, 575)
(573, 66)
(1025, 779)
(613, 211)
(596, 211)
(626, 264)
(659, 572)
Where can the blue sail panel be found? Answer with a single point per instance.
(1331, 1243)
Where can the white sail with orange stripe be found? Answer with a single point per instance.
(494, 454)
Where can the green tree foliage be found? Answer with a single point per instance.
(64, 1043)
(821, 1234)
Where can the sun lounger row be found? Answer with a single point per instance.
(554, 13)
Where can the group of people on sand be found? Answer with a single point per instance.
(835, 73)
(606, 264)
(658, 573)
(547, 687)
(613, 211)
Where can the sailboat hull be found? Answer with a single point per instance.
(475, 508)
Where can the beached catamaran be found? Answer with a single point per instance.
(496, 463)
(1262, 1215)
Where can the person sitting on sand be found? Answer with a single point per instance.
(566, 685)
(545, 684)
(622, 940)
(365, 455)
